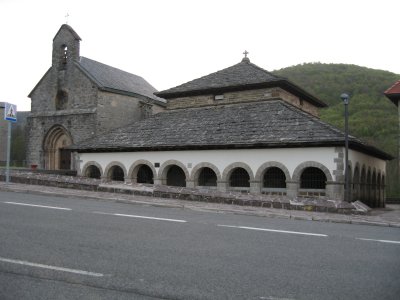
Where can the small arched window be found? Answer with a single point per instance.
(64, 55)
(207, 177)
(93, 172)
(116, 173)
(176, 176)
(274, 178)
(313, 178)
(145, 175)
(239, 178)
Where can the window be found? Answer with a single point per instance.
(116, 173)
(219, 97)
(145, 175)
(207, 177)
(176, 176)
(312, 178)
(274, 178)
(239, 178)
(93, 172)
(64, 57)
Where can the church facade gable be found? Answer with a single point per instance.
(76, 98)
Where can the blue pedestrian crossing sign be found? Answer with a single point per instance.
(10, 112)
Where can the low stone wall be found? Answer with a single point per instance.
(182, 193)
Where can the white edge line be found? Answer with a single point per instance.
(274, 230)
(140, 217)
(35, 205)
(381, 241)
(30, 264)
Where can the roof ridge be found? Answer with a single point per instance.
(70, 29)
(262, 69)
(109, 66)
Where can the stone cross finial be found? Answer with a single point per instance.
(66, 18)
(245, 53)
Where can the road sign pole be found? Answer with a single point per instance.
(8, 152)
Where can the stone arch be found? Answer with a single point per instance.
(86, 168)
(265, 166)
(56, 156)
(379, 189)
(299, 169)
(133, 170)
(363, 184)
(374, 196)
(163, 171)
(196, 171)
(356, 182)
(228, 170)
(108, 170)
(369, 186)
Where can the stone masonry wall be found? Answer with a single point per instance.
(80, 125)
(116, 110)
(242, 96)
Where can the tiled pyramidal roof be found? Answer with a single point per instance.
(242, 76)
(247, 125)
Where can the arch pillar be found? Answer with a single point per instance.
(189, 183)
(255, 186)
(222, 186)
(334, 190)
(292, 188)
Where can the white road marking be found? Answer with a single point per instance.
(274, 230)
(381, 241)
(40, 206)
(30, 264)
(141, 217)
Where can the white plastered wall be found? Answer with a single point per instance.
(254, 158)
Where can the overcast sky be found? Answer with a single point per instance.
(169, 42)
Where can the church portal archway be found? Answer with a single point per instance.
(56, 156)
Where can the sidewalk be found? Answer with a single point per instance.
(389, 216)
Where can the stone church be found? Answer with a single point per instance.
(239, 129)
(79, 98)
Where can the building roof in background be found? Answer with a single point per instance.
(393, 93)
(242, 76)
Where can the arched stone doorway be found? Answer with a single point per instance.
(56, 157)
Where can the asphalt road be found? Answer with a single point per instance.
(70, 248)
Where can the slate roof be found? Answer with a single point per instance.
(393, 93)
(270, 124)
(115, 80)
(242, 76)
(70, 29)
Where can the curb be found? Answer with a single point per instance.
(224, 208)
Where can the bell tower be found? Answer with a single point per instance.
(65, 51)
(65, 47)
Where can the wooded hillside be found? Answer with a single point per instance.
(372, 117)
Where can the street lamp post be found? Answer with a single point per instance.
(345, 99)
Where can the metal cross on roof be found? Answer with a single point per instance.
(66, 18)
(245, 53)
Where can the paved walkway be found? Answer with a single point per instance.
(389, 216)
